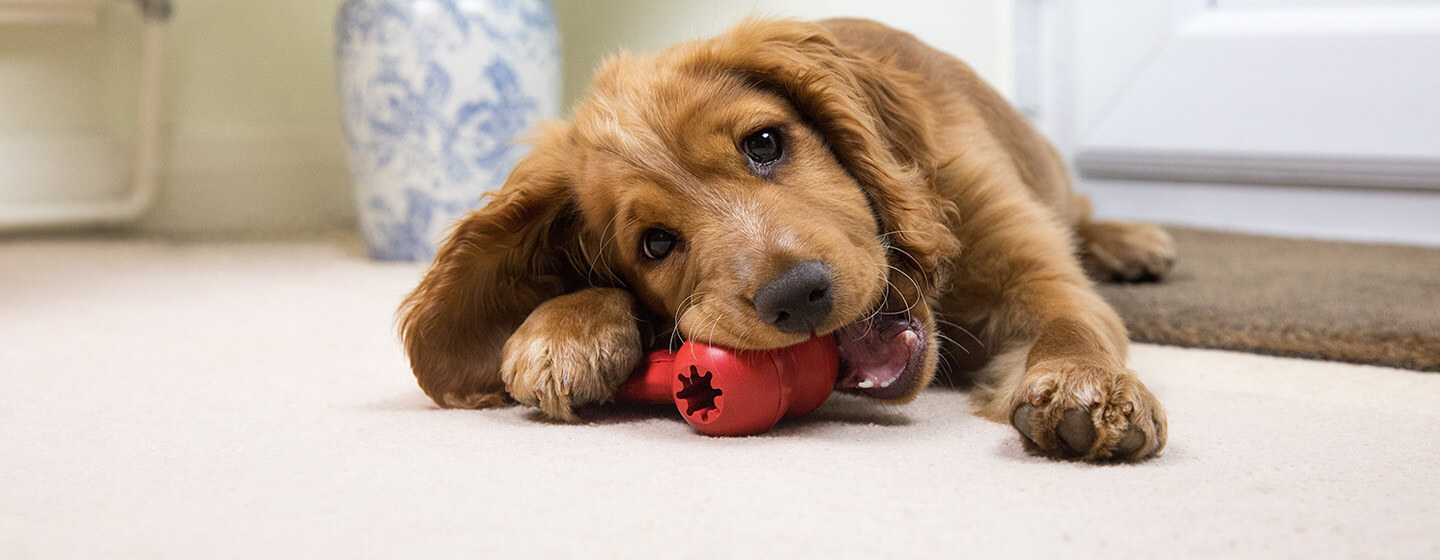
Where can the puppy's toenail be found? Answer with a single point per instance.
(1077, 430)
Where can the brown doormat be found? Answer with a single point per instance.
(1350, 302)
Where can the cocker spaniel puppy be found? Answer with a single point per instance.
(785, 180)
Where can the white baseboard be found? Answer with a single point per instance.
(1371, 215)
(1242, 168)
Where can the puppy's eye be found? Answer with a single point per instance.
(657, 243)
(762, 147)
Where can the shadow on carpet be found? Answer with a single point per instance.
(1349, 302)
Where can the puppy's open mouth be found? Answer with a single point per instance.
(881, 356)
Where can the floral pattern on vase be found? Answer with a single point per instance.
(435, 94)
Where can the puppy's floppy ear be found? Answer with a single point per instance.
(872, 115)
(497, 265)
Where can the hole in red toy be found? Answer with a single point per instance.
(697, 392)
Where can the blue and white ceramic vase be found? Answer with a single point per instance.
(435, 94)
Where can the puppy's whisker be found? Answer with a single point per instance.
(675, 332)
(696, 334)
(693, 306)
(713, 324)
(884, 299)
(675, 324)
(943, 368)
(879, 309)
(893, 231)
(884, 237)
(942, 336)
(918, 290)
(605, 242)
(870, 319)
(908, 305)
(961, 329)
(680, 310)
(588, 257)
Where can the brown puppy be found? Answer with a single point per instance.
(783, 180)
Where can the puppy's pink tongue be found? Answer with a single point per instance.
(875, 357)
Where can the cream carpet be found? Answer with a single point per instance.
(249, 400)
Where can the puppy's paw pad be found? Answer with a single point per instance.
(1077, 430)
(1131, 442)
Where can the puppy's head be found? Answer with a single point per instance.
(755, 190)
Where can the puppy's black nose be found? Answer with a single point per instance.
(798, 300)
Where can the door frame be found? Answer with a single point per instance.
(1367, 198)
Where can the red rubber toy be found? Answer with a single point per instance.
(723, 392)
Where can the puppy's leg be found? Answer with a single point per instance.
(1067, 390)
(571, 350)
(1059, 374)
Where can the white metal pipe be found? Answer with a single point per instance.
(144, 175)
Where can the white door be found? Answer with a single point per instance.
(1309, 117)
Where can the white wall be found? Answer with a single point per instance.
(978, 31)
(254, 119)
(250, 118)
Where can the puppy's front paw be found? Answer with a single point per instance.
(572, 350)
(1097, 413)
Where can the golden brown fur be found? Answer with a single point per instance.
(928, 198)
